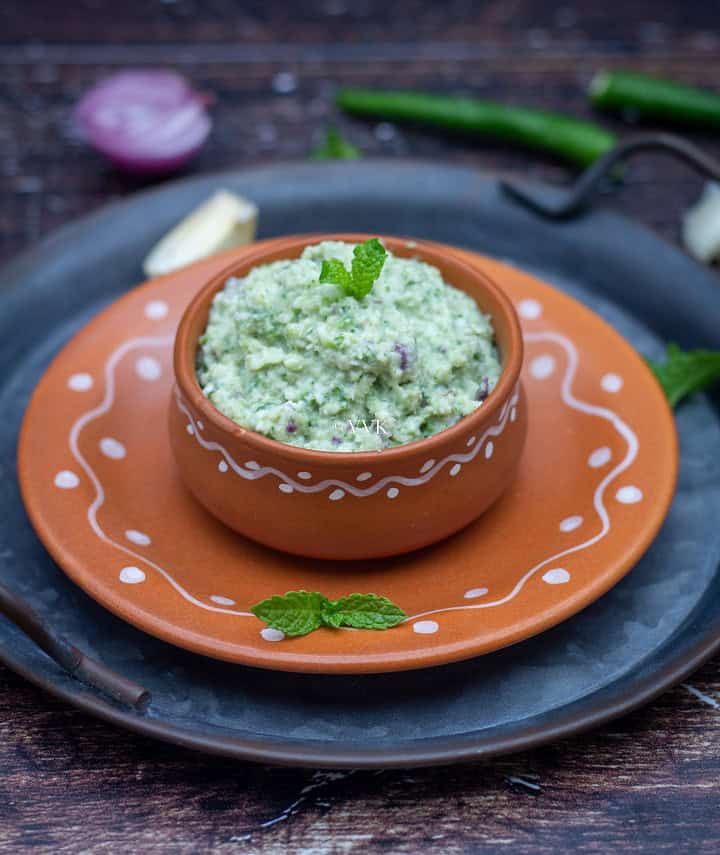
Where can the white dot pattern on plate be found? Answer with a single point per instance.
(270, 634)
(252, 464)
(513, 414)
(112, 448)
(285, 488)
(306, 476)
(556, 576)
(543, 366)
(475, 592)
(66, 480)
(470, 441)
(571, 523)
(80, 382)
(392, 492)
(455, 469)
(200, 425)
(138, 537)
(489, 448)
(629, 495)
(222, 466)
(189, 428)
(148, 368)
(600, 457)
(529, 309)
(364, 476)
(420, 624)
(222, 601)
(336, 495)
(156, 310)
(612, 383)
(426, 627)
(132, 575)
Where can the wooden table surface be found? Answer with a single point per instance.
(647, 783)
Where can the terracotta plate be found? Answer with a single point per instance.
(101, 489)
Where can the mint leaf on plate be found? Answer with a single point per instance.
(335, 148)
(367, 264)
(363, 611)
(686, 371)
(294, 613)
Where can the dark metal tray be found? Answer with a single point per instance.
(650, 631)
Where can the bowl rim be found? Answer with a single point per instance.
(184, 351)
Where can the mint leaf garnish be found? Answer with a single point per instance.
(295, 613)
(368, 261)
(686, 371)
(335, 148)
(300, 612)
(364, 611)
(367, 264)
(335, 272)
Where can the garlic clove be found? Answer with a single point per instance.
(701, 226)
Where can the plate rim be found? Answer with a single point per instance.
(475, 745)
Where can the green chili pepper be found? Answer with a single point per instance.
(651, 96)
(575, 140)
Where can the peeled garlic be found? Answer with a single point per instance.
(701, 226)
(224, 221)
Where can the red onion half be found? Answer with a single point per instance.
(145, 121)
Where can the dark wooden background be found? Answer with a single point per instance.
(648, 783)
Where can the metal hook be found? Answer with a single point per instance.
(561, 203)
(74, 661)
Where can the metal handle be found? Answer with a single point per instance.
(69, 657)
(560, 203)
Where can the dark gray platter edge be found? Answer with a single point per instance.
(604, 706)
(694, 643)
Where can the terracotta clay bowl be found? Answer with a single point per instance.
(350, 505)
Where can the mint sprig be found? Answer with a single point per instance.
(367, 264)
(301, 612)
(335, 148)
(686, 371)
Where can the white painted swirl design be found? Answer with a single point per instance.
(104, 407)
(252, 470)
(599, 496)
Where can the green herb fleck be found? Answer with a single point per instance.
(301, 612)
(335, 148)
(686, 371)
(368, 261)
